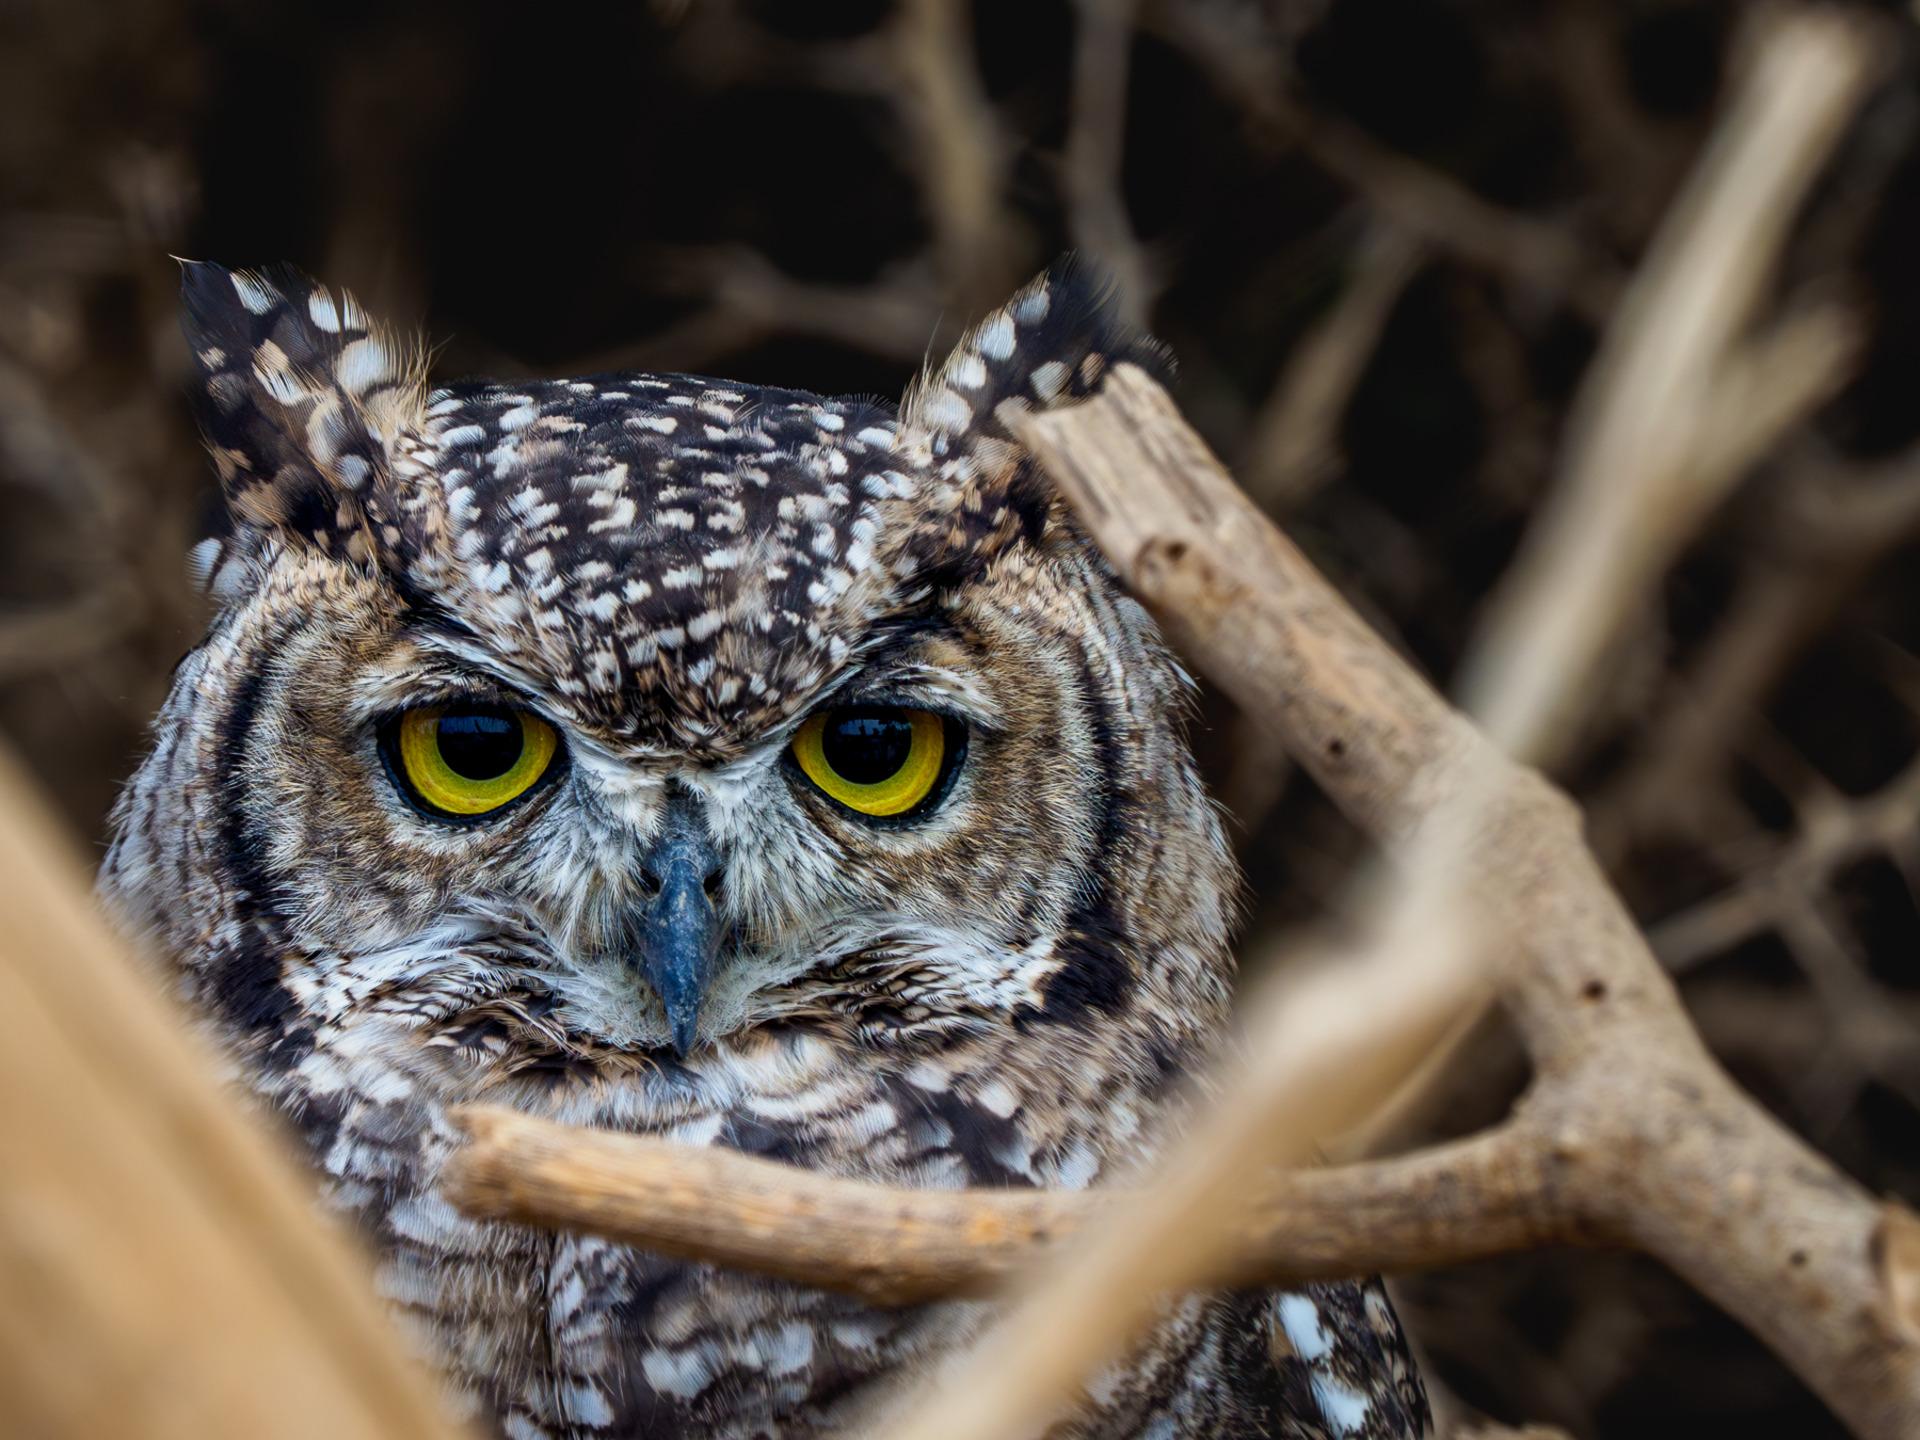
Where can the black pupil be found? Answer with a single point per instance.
(866, 746)
(480, 744)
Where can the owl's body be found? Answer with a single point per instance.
(676, 928)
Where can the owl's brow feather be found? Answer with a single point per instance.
(889, 670)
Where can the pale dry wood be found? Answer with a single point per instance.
(902, 1247)
(1631, 1132)
(163, 1272)
(1679, 400)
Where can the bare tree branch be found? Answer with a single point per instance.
(903, 1247)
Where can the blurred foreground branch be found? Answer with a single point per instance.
(163, 1272)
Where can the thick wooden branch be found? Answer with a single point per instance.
(1483, 1196)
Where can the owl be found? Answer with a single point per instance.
(726, 764)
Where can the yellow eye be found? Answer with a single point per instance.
(471, 759)
(877, 759)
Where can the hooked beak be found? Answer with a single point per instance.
(676, 933)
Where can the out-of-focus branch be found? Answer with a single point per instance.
(167, 1273)
(1834, 832)
(1542, 258)
(962, 151)
(64, 244)
(1822, 528)
(45, 636)
(748, 299)
(1635, 161)
(1295, 445)
(1096, 209)
(36, 449)
(921, 63)
(1668, 416)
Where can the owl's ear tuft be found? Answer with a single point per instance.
(1051, 344)
(302, 399)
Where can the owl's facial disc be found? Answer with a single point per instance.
(865, 864)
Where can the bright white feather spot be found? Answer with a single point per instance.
(1300, 1318)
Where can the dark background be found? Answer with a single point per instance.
(765, 191)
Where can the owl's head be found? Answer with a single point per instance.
(634, 711)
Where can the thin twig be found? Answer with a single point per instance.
(905, 1247)
(962, 152)
(1294, 449)
(1096, 209)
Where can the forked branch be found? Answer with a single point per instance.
(1631, 1133)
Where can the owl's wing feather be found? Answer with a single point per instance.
(1343, 1346)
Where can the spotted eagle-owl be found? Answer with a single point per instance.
(723, 763)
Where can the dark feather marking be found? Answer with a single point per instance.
(978, 1136)
(1094, 974)
(245, 982)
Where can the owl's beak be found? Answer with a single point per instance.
(677, 933)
